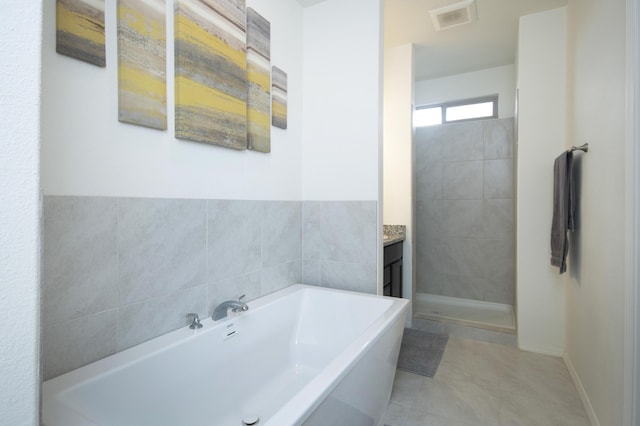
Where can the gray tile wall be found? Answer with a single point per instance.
(120, 271)
(464, 183)
(339, 244)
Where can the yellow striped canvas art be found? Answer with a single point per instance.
(142, 55)
(210, 72)
(258, 81)
(279, 98)
(80, 30)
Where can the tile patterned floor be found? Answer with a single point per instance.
(487, 384)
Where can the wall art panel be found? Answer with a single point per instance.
(142, 56)
(210, 72)
(80, 30)
(279, 98)
(258, 81)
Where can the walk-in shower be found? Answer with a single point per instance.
(464, 219)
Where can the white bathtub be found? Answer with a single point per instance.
(301, 356)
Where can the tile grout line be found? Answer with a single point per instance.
(262, 219)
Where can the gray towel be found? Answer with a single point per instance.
(563, 209)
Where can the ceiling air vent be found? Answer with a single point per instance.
(460, 13)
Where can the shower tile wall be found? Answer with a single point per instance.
(464, 183)
(120, 271)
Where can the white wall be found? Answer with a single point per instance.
(86, 151)
(398, 152)
(20, 35)
(541, 138)
(342, 100)
(595, 291)
(500, 80)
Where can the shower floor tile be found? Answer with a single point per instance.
(488, 316)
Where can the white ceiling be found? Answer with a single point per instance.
(488, 42)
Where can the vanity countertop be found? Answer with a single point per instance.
(393, 234)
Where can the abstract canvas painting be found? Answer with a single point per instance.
(279, 98)
(142, 53)
(80, 30)
(258, 81)
(210, 72)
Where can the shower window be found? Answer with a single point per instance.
(427, 116)
(451, 112)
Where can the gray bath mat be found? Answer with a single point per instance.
(421, 351)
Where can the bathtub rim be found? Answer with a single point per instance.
(300, 406)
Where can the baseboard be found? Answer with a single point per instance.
(581, 391)
(558, 353)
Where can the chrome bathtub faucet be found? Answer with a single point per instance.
(222, 309)
(195, 321)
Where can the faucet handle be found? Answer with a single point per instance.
(195, 321)
(243, 307)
